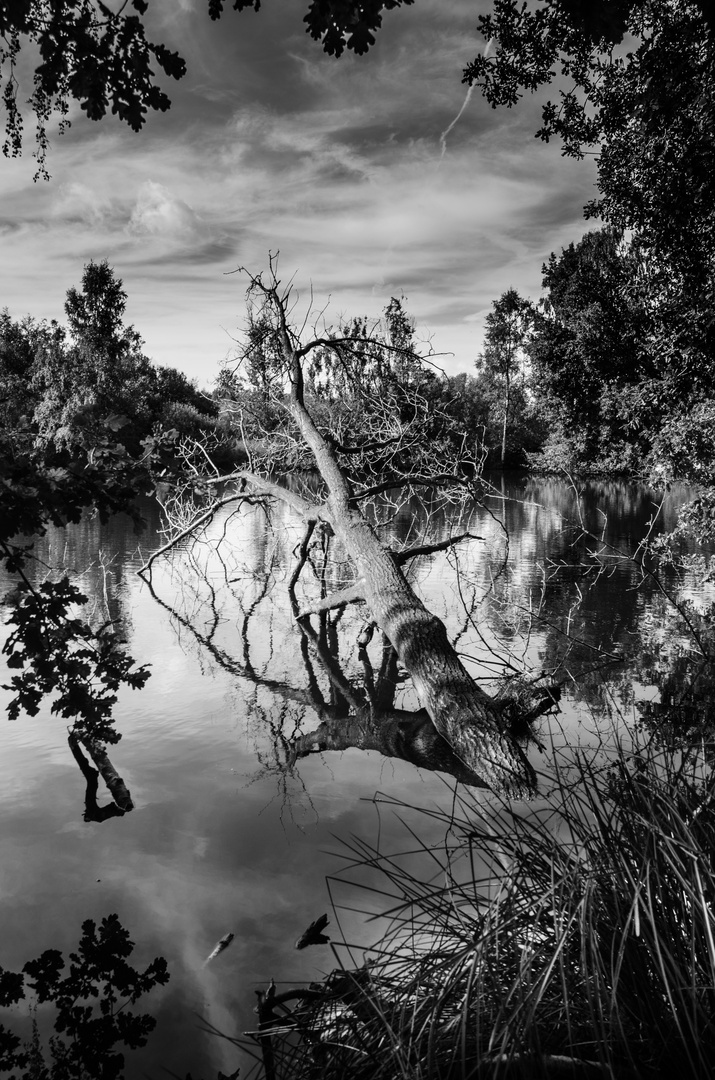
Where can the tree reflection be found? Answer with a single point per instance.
(581, 598)
(308, 688)
(121, 803)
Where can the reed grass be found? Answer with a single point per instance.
(579, 930)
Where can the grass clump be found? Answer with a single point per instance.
(575, 937)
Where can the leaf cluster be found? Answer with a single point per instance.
(337, 24)
(344, 23)
(88, 53)
(637, 84)
(63, 656)
(91, 999)
(601, 347)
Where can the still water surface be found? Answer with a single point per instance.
(238, 812)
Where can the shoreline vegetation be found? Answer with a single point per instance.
(573, 939)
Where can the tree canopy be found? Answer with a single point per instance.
(638, 90)
(87, 53)
(501, 361)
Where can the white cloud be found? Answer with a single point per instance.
(158, 212)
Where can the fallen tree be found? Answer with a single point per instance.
(354, 714)
(392, 450)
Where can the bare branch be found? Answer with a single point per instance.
(366, 448)
(263, 486)
(303, 549)
(439, 481)
(197, 522)
(402, 557)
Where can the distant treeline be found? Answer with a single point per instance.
(69, 389)
(611, 370)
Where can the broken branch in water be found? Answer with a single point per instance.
(431, 549)
(222, 944)
(314, 934)
(351, 595)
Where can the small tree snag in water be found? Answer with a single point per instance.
(464, 714)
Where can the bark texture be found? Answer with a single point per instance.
(462, 713)
(394, 733)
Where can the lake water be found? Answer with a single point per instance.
(236, 825)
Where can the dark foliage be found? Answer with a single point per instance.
(87, 53)
(62, 656)
(102, 58)
(91, 1000)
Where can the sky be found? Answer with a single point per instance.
(373, 176)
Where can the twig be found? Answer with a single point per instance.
(195, 524)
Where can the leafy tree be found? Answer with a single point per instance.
(95, 316)
(503, 358)
(83, 381)
(593, 368)
(684, 449)
(82, 433)
(639, 92)
(648, 110)
(99, 380)
(362, 357)
(21, 343)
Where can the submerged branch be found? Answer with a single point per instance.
(351, 595)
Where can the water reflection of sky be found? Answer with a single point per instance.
(223, 838)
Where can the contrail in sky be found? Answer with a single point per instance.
(445, 133)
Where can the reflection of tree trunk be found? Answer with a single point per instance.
(118, 789)
(395, 733)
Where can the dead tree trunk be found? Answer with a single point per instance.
(462, 713)
(460, 710)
